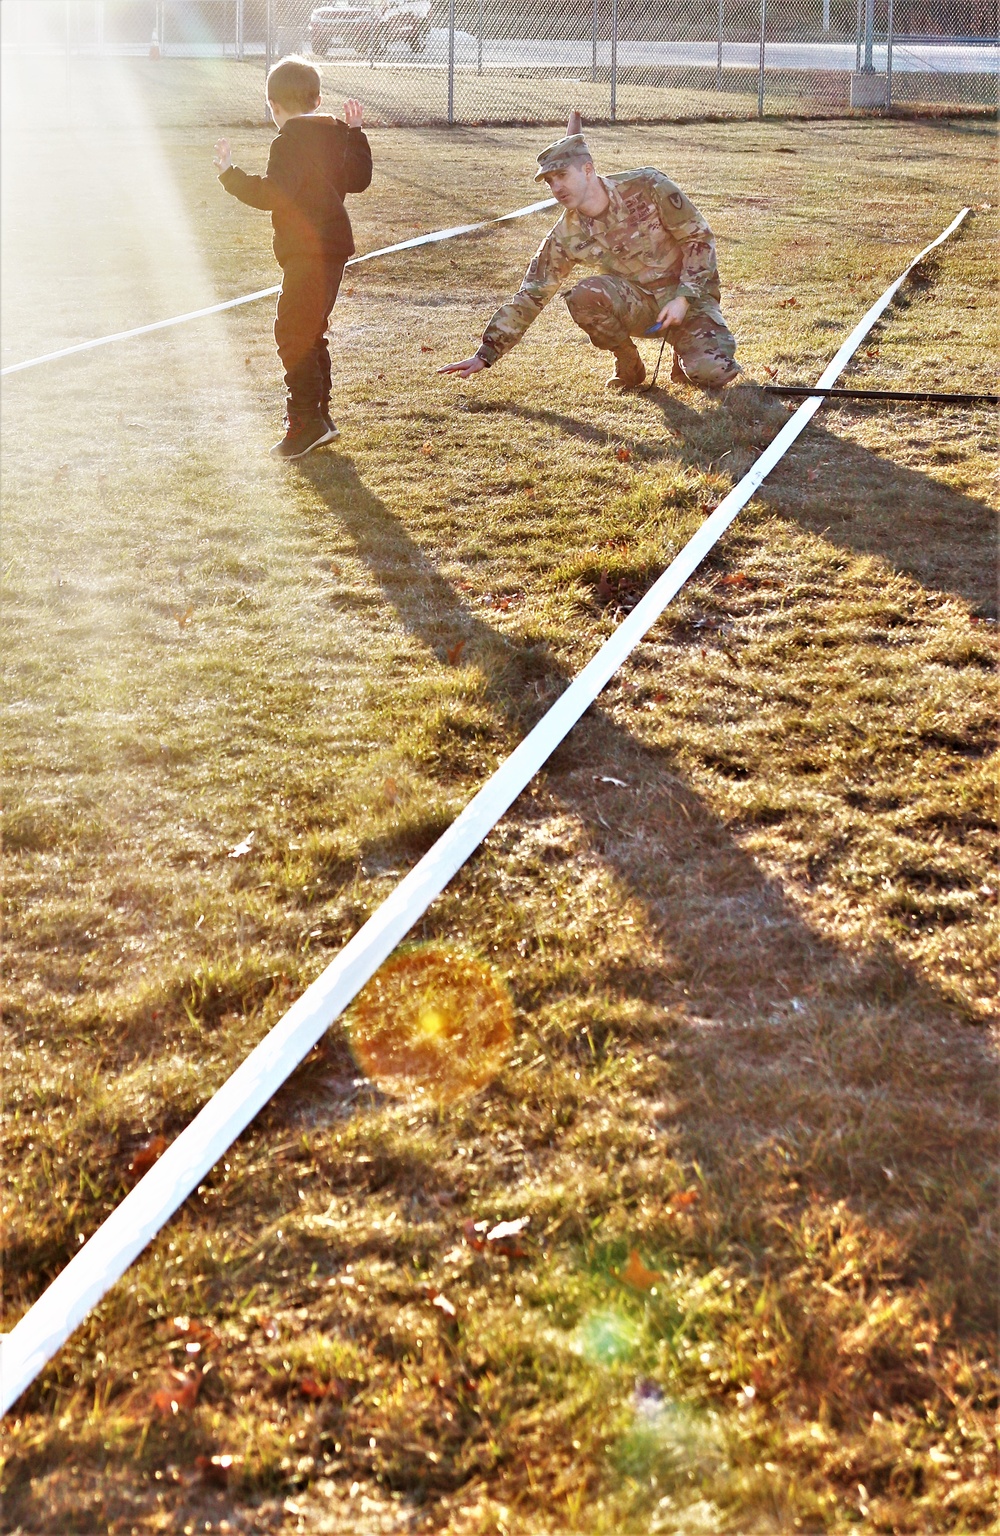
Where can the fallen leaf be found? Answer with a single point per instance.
(244, 847)
(269, 1328)
(530, 492)
(791, 303)
(196, 1333)
(507, 1229)
(605, 591)
(502, 1238)
(623, 454)
(772, 373)
(812, 475)
(348, 293)
(454, 652)
(427, 448)
(734, 579)
(424, 348)
(684, 1199)
(310, 1387)
(184, 619)
(147, 1155)
(179, 1395)
(246, 361)
(636, 1274)
(390, 791)
(215, 1469)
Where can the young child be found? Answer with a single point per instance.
(314, 162)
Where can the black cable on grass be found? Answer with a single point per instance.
(923, 397)
(659, 360)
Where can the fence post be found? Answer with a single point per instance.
(888, 57)
(268, 39)
(451, 62)
(718, 57)
(760, 67)
(593, 63)
(869, 36)
(239, 29)
(826, 15)
(857, 39)
(479, 33)
(614, 60)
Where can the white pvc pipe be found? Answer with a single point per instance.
(146, 1208)
(432, 238)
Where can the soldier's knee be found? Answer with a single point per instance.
(590, 300)
(711, 372)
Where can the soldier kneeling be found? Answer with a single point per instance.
(656, 259)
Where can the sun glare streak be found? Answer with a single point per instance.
(163, 493)
(97, 232)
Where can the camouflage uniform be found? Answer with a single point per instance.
(650, 246)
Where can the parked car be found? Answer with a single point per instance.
(370, 28)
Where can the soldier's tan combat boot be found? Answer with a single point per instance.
(630, 370)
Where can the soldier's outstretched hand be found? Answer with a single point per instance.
(466, 368)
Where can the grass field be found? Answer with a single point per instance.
(745, 916)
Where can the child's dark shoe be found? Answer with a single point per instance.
(303, 436)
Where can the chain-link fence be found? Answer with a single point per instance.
(521, 61)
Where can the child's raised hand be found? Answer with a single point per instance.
(223, 155)
(352, 113)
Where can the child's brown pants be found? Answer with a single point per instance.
(309, 287)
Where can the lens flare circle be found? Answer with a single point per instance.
(434, 1023)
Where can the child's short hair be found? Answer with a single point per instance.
(294, 84)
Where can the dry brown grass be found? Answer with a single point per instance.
(750, 984)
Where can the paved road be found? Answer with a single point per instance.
(535, 53)
(564, 53)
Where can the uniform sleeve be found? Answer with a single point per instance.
(548, 268)
(272, 190)
(357, 163)
(699, 274)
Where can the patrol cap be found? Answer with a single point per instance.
(569, 151)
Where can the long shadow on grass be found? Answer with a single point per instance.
(780, 1047)
(777, 1021)
(943, 538)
